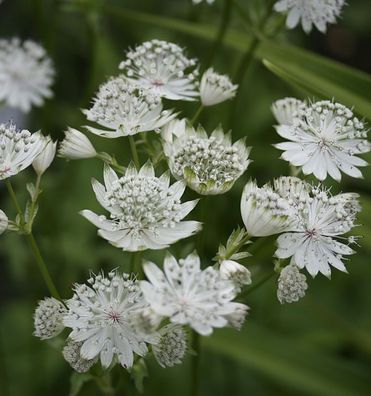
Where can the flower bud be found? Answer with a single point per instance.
(42, 162)
(71, 353)
(48, 318)
(235, 272)
(291, 285)
(3, 221)
(216, 88)
(76, 145)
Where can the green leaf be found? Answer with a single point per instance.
(77, 382)
(291, 362)
(139, 372)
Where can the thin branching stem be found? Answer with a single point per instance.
(197, 114)
(134, 152)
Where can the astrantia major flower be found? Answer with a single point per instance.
(216, 88)
(42, 162)
(26, 74)
(145, 211)
(235, 272)
(71, 353)
(292, 285)
(287, 109)
(102, 318)
(264, 211)
(319, 13)
(209, 165)
(18, 149)
(190, 296)
(314, 240)
(124, 108)
(48, 318)
(325, 140)
(3, 221)
(163, 68)
(76, 145)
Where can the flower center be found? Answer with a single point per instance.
(311, 233)
(114, 317)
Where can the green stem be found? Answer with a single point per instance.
(257, 285)
(201, 235)
(33, 245)
(195, 362)
(197, 114)
(135, 263)
(224, 22)
(134, 152)
(105, 385)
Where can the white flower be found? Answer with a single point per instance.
(76, 145)
(171, 347)
(325, 140)
(26, 74)
(102, 317)
(162, 67)
(291, 285)
(174, 129)
(189, 296)
(287, 109)
(71, 353)
(320, 220)
(18, 149)
(235, 272)
(48, 318)
(264, 212)
(216, 88)
(3, 222)
(145, 211)
(42, 162)
(310, 12)
(209, 165)
(124, 108)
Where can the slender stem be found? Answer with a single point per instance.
(197, 114)
(33, 245)
(105, 384)
(224, 22)
(135, 264)
(201, 235)
(257, 285)
(195, 362)
(134, 152)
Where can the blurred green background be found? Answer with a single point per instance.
(319, 346)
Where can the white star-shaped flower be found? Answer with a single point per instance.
(145, 211)
(325, 139)
(190, 296)
(163, 68)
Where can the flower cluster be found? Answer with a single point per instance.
(291, 285)
(319, 13)
(163, 68)
(26, 74)
(145, 211)
(209, 165)
(323, 138)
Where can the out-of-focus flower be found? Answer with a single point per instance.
(42, 162)
(190, 296)
(209, 165)
(325, 140)
(216, 88)
(71, 353)
(319, 13)
(163, 68)
(3, 222)
(145, 211)
(48, 318)
(287, 109)
(18, 149)
(76, 145)
(124, 108)
(171, 347)
(26, 74)
(291, 285)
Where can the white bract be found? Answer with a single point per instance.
(319, 221)
(48, 318)
(190, 296)
(264, 212)
(124, 108)
(102, 318)
(71, 353)
(209, 165)
(163, 68)
(287, 109)
(76, 145)
(174, 129)
(235, 272)
(325, 140)
(319, 13)
(171, 347)
(42, 162)
(18, 149)
(145, 211)
(216, 88)
(26, 74)
(291, 285)
(3, 222)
